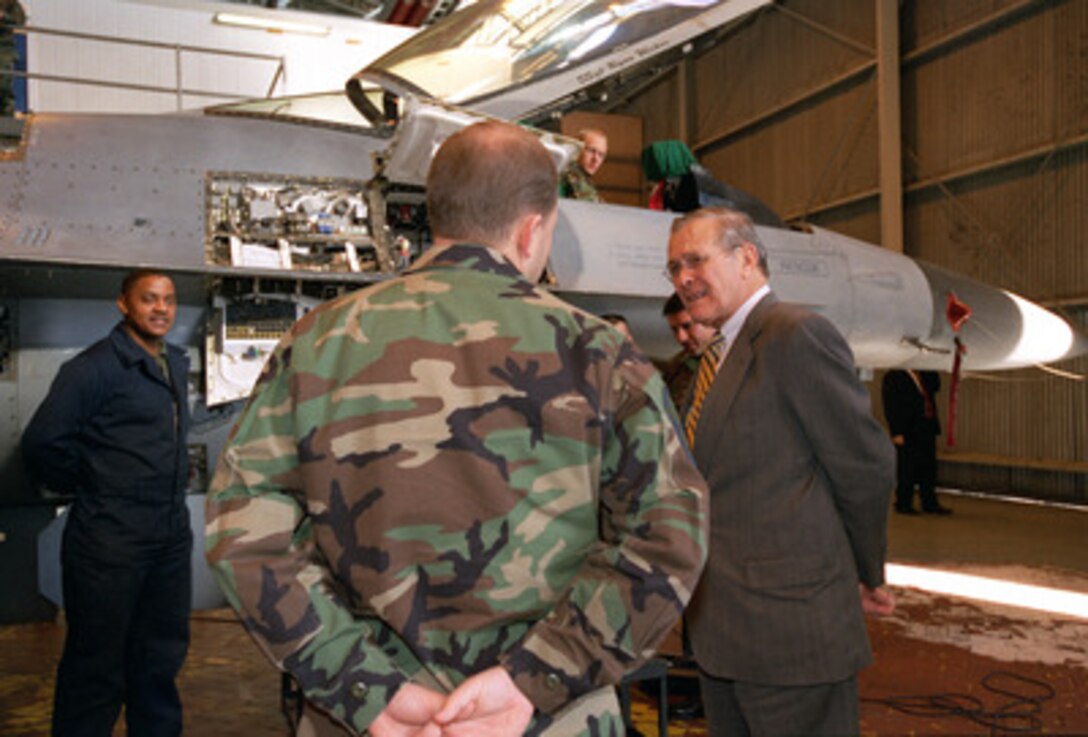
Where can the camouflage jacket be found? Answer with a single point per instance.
(451, 470)
(574, 184)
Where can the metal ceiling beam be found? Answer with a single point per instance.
(825, 30)
(948, 177)
(847, 77)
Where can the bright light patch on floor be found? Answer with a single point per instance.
(1027, 596)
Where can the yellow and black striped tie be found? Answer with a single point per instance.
(708, 368)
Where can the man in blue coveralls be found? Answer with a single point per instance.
(111, 432)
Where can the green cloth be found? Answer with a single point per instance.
(663, 159)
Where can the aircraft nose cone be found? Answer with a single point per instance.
(1079, 346)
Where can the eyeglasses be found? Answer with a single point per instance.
(691, 261)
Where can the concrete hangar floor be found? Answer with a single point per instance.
(945, 664)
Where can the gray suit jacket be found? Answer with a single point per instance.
(800, 475)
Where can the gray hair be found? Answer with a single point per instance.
(734, 230)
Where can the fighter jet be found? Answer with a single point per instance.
(264, 208)
(323, 192)
(894, 311)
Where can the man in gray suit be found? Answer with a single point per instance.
(800, 475)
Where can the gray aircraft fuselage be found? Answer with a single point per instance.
(261, 215)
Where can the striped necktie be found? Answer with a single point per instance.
(708, 368)
(927, 398)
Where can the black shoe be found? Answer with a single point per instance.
(686, 710)
(906, 510)
(938, 510)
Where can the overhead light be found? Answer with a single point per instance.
(270, 24)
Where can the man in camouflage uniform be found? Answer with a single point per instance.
(576, 182)
(455, 503)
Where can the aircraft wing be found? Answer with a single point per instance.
(286, 188)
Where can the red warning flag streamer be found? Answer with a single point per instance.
(957, 314)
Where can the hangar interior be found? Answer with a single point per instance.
(952, 131)
(981, 105)
(983, 115)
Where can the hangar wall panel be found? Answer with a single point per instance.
(1012, 91)
(860, 220)
(659, 108)
(1021, 228)
(826, 145)
(927, 21)
(312, 63)
(753, 71)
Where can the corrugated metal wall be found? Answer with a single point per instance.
(995, 171)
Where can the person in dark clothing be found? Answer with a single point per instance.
(619, 322)
(111, 432)
(800, 475)
(694, 338)
(12, 16)
(910, 408)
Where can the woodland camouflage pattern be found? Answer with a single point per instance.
(451, 470)
(574, 184)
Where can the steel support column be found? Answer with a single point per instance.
(888, 117)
